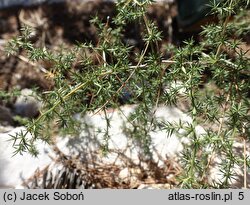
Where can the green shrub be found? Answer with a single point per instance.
(222, 109)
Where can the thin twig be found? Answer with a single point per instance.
(218, 133)
(26, 60)
(126, 81)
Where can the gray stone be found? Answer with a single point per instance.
(123, 151)
(14, 170)
(89, 141)
(27, 105)
(5, 116)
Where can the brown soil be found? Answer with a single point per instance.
(68, 23)
(60, 23)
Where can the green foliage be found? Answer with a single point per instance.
(7, 96)
(224, 110)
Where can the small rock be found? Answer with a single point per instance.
(155, 186)
(5, 116)
(130, 176)
(124, 174)
(27, 105)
